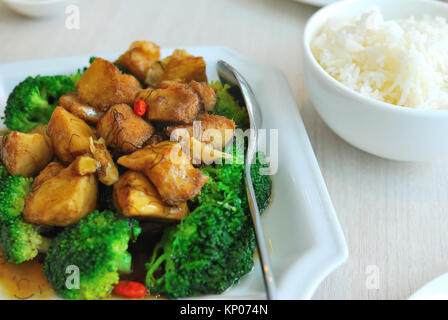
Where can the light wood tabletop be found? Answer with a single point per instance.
(394, 215)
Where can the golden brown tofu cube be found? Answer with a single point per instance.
(209, 128)
(135, 196)
(179, 66)
(25, 153)
(123, 130)
(69, 135)
(139, 58)
(169, 169)
(108, 171)
(63, 199)
(103, 85)
(176, 103)
(71, 102)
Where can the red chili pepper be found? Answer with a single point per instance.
(140, 107)
(130, 289)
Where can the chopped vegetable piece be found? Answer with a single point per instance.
(140, 107)
(130, 289)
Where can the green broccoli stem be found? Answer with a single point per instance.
(157, 263)
(158, 259)
(123, 262)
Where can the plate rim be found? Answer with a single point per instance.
(424, 292)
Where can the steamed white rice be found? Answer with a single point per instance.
(403, 62)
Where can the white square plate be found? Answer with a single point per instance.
(300, 225)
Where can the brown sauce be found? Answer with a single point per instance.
(24, 281)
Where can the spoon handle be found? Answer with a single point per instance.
(229, 74)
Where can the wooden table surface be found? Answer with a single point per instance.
(394, 215)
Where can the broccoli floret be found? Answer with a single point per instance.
(97, 245)
(20, 241)
(230, 177)
(227, 106)
(223, 178)
(262, 183)
(32, 101)
(13, 191)
(206, 253)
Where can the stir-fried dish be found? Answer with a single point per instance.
(96, 172)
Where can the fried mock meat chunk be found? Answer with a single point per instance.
(71, 102)
(140, 56)
(207, 95)
(50, 171)
(103, 85)
(25, 153)
(69, 134)
(61, 196)
(179, 66)
(157, 137)
(108, 171)
(135, 196)
(42, 129)
(123, 130)
(211, 129)
(176, 103)
(169, 169)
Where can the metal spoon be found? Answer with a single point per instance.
(227, 74)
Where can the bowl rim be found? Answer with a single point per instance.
(366, 102)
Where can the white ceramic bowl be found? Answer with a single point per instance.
(388, 131)
(38, 8)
